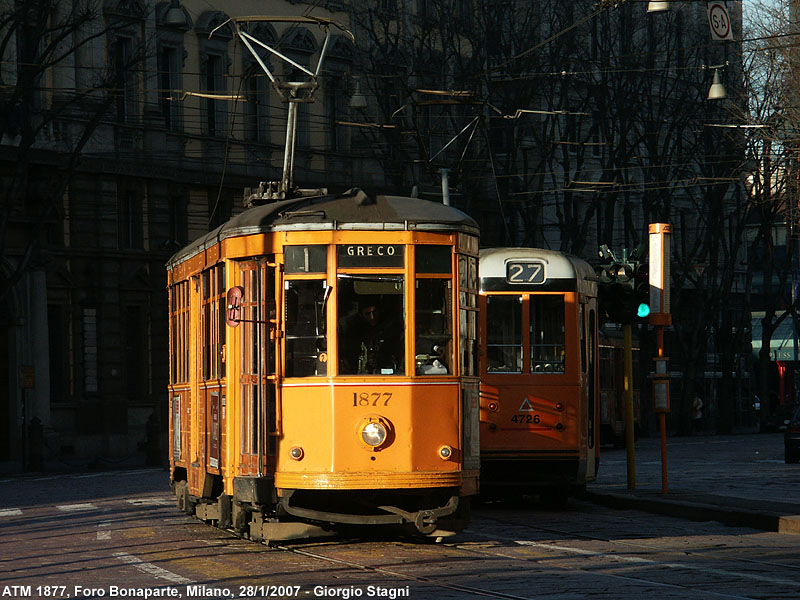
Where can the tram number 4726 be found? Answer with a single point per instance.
(371, 398)
(526, 419)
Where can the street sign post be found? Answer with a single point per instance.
(659, 258)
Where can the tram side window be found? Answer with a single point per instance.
(434, 340)
(504, 334)
(179, 342)
(306, 335)
(468, 314)
(213, 322)
(547, 334)
(371, 325)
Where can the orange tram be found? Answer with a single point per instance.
(539, 373)
(323, 368)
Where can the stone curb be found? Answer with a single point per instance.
(764, 520)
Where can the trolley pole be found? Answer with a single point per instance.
(628, 385)
(660, 317)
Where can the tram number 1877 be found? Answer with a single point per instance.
(371, 398)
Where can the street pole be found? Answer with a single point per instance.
(660, 317)
(628, 386)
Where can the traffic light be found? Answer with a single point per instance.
(624, 292)
(641, 290)
(615, 273)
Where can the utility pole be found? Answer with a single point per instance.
(660, 317)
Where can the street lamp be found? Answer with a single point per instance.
(717, 91)
(358, 100)
(657, 7)
(175, 17)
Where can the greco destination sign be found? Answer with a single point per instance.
(370, 255)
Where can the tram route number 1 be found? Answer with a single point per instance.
(371, 398)
(526, 419)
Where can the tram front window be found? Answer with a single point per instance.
(306, 341)
(371, 325)
(504, 334)
(434, 350)
(547, 334)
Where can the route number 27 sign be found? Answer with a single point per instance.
(719, 21)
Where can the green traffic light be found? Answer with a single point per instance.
(643, 310)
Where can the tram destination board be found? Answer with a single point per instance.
(521, 272)
(371, 255)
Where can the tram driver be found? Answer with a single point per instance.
(369, 343)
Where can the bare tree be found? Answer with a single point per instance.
(38, 37)
(771, 87)
(597, 125)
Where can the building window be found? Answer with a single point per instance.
(214, 84)
(169, 85)
(130, 219)
(125, 67)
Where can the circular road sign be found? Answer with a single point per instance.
(719, 21)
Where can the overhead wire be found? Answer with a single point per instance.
(320, 120)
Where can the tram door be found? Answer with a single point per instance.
(589, 348)
(259, 391)
(208, 304)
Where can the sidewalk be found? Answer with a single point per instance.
(739, 480)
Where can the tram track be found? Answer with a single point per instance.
(639, 545)
(625, 562)
(404, 576)
(686, 590)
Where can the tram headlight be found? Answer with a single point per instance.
(374, 434)
(445, 452)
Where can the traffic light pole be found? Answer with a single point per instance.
(628, 385)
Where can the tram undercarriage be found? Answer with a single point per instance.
(263, 513)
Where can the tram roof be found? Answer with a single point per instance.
(352, 210)
(559, 267)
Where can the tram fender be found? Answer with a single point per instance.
(255, 490)
(423, 519)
